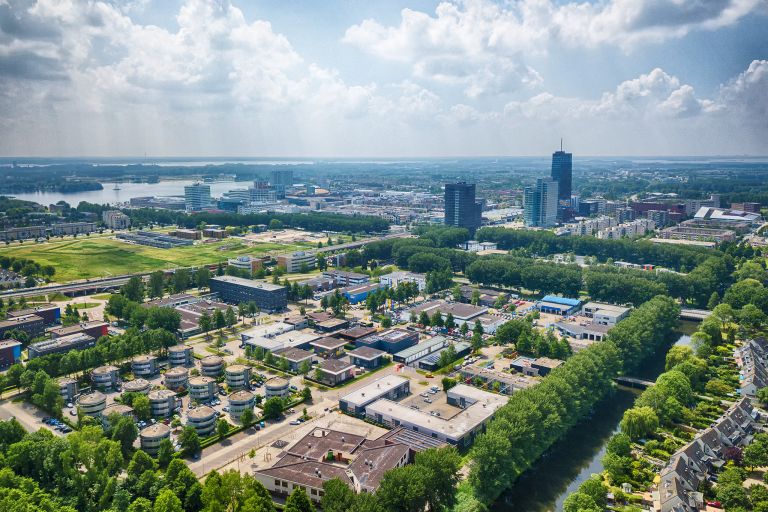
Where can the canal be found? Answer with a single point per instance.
(561, 471)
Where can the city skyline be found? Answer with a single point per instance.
(422, 78)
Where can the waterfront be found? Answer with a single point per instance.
(545, 486)
(127, 190)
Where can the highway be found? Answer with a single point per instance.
(104, 284)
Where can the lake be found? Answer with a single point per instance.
(127, 190)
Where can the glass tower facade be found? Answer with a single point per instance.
(562, 172)
(540, 203)
(461, 208)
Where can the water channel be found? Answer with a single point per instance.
(571, 461)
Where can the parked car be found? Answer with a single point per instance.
(295, 422)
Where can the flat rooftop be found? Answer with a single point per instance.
(367, 353)
(379, 387)
(455, 427)
(601, 306)
(329, 343)
(424, 345)
(262, 285)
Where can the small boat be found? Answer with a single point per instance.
(117, 186)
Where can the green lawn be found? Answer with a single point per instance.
(85, 258)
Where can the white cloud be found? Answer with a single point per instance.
(482, 46)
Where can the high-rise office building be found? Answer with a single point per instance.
(461, 207)
(281, 179)
(197, 197)
(562, 172)
(540, 207)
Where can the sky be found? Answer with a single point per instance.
(390, 78)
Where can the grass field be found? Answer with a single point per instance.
(86, 258)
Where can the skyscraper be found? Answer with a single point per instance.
(197, 197)
(562, 172)
(281, 179)
(461, 207)
(540, 203)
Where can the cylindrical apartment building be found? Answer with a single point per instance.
(162, 402)
(137, 386)
(92, 404)
(176, 378)
(277, 386)
(239, 401)
(203, 420)
(211, 366)
(180, 355)
(105, 377)
(202, 389)
(238, 376)
(144, 366)
(151, 437)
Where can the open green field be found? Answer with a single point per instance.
(87, 258)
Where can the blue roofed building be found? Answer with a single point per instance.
(555, 305)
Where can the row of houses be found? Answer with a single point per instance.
(678, 489)
(752, 358)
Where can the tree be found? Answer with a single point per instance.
(205, 323)
(762, 396)
(156, 284)
(580, 502)
(180, 280)
(639, 422)
(230, 317)
(222, 428)
(165, 453)
(298, 501)
(167, 501)
(337, 497)
(440, 469)
(123, 430)
(595, 489)
(273, 407)
(133, 290)
(403, 490)
(219, 322)
(676, 355)
(247, 418)
(189, 440)
(203, 277)
(464, 329)
(306, 394)
(140, 504)
(424, 319)
(450, 323)
(141, 407)
(713, 301)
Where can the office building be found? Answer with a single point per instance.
(197, 197)
(390, 387)
(33, 325)
(461, 207)
(746, 207)
(562, 173)
(236, 290)
(297, 261)
(540, 207)
(115, 219)
(10, 353)
(474, 407)
(50, 313)
(60, 345)
(94, 328)
(281, 180)
(150, 437)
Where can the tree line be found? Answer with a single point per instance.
(543, 243)
(307, 221)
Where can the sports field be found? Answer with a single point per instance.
(87, 258)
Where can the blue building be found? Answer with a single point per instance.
(358, 293)
(10, 353)
(555, 305)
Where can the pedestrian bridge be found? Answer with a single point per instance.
(632, 382)
(697, 315)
